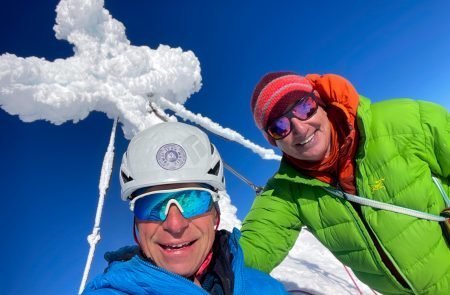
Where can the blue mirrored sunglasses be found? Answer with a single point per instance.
(192, 202)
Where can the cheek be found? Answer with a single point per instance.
(279, 144)
(146, 231)
(207, 226)
(284, 143)
(327, 130)
(146, 234)
(210, 234)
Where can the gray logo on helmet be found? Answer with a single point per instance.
(171, 156)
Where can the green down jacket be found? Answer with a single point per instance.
(402, 144)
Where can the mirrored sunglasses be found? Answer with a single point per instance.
(192, 202)
(304, 109)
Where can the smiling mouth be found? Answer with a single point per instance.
(307, 139)
(173, 247)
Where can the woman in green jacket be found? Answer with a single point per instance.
(334, 140)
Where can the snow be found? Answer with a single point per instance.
(136, 85)
(219, 130)
(228, 218)
(105, 74)
(309, 266)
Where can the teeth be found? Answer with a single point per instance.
(308, 139)
(176, 246)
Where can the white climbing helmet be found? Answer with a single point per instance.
(170, 152)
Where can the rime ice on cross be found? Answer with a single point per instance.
(106, 73)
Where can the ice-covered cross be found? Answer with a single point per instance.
(105, 74)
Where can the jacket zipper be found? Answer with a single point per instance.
(359, 163)
(366, 225)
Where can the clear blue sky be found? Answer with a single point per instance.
(49, 174)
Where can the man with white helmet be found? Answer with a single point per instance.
(173, 177)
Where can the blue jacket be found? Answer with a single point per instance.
(138, 276)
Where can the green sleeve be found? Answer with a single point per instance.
(435, 122)
(270, 229)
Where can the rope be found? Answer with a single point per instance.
(353, 280)
(158, 112)
(105, 177)
(161, 115)
(384, 206)
(441, 190)
(257, 189)
(227, 133)
(300, 291)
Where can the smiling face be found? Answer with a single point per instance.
(309, 140)
(178, 244)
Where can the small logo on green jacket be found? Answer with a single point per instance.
(379, 184)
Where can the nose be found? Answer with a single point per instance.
(298, 126)
(175, 222)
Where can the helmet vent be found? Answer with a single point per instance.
(215, 170)
(212, 149)
(125, 178)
